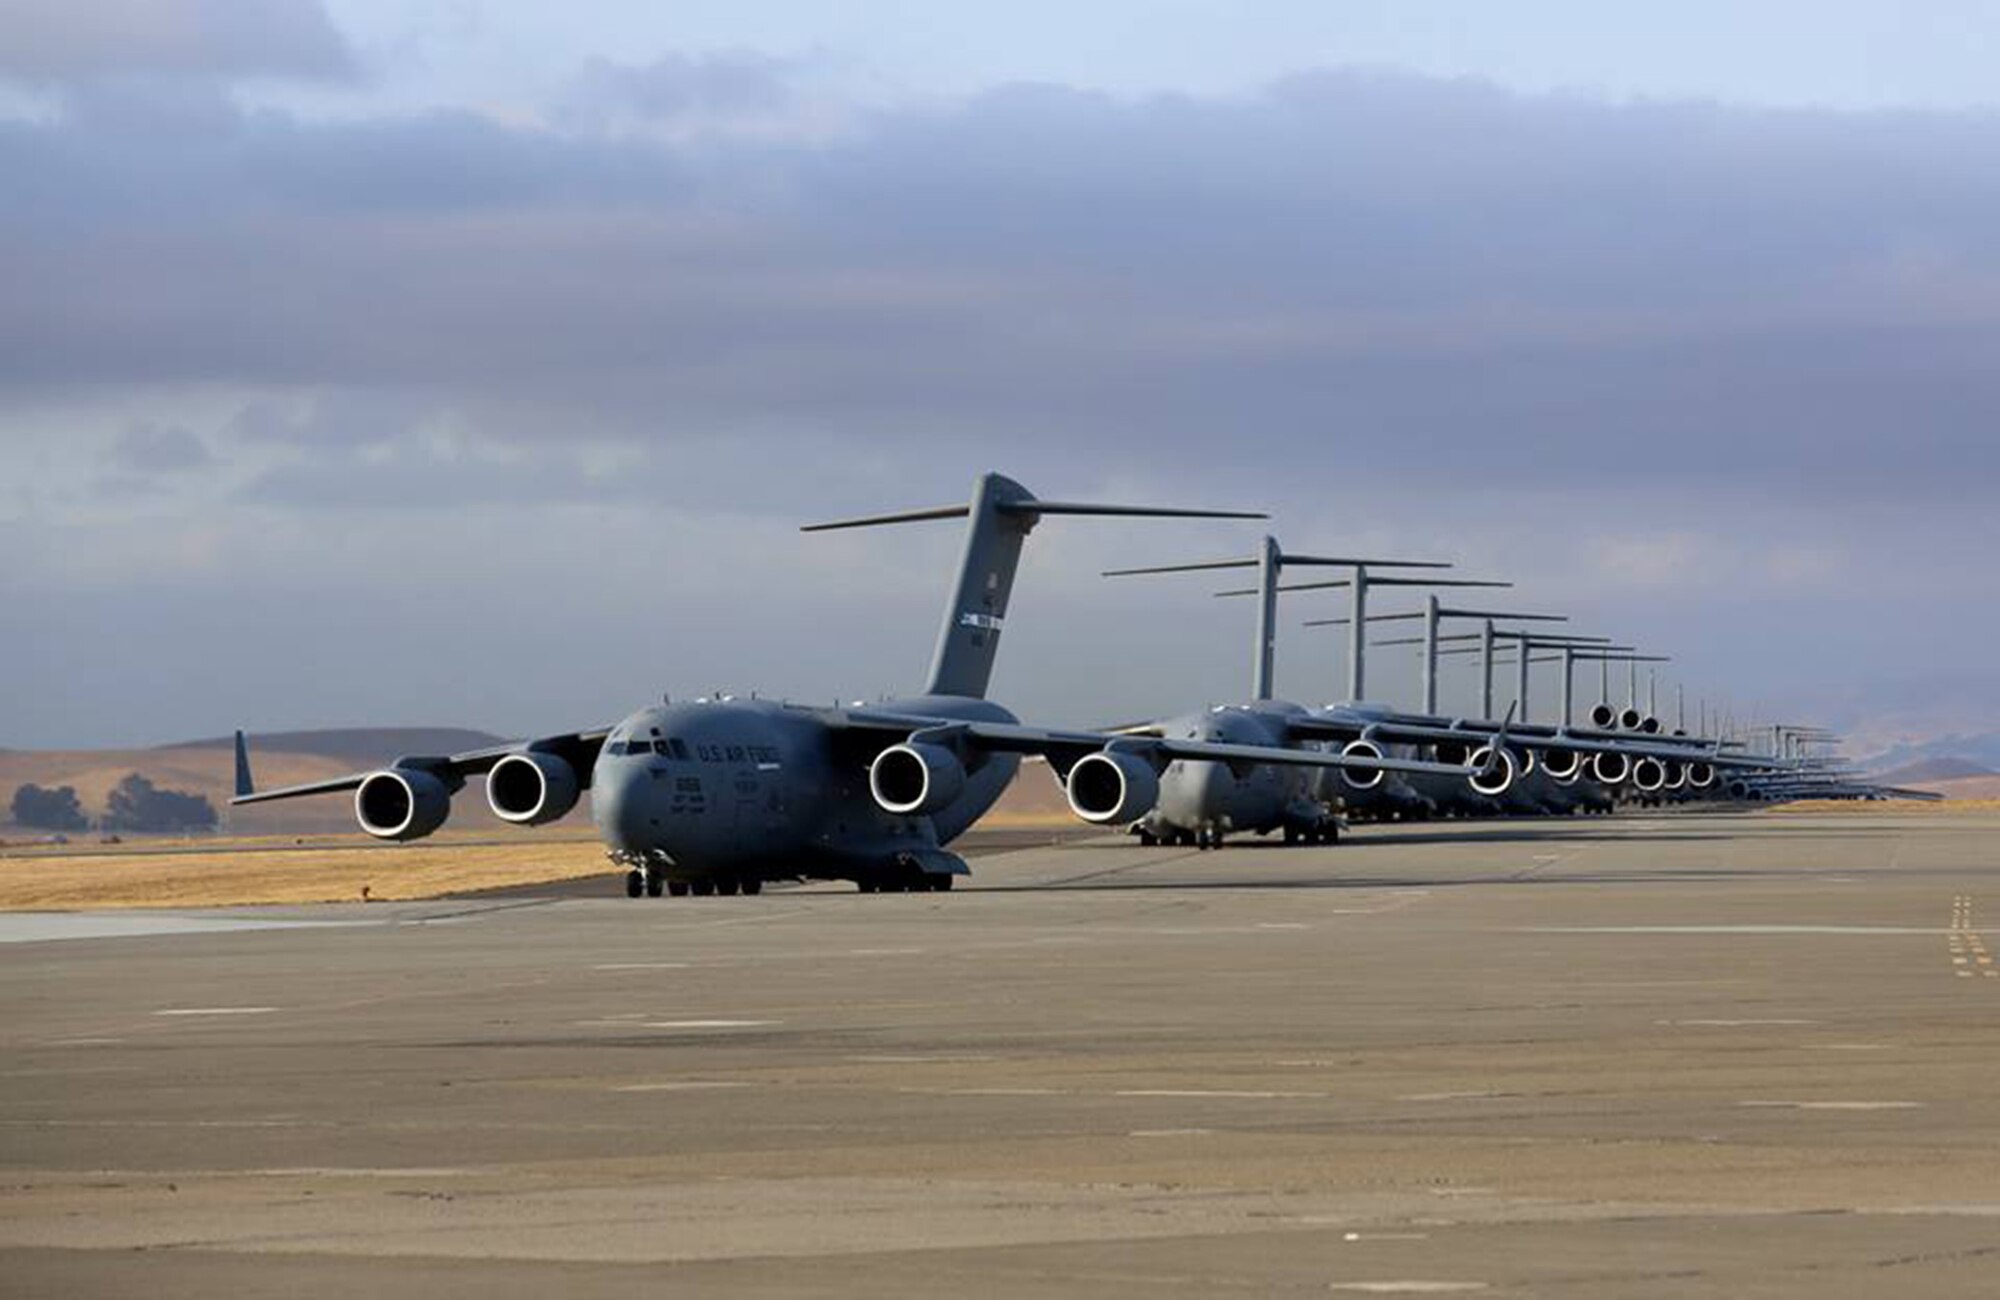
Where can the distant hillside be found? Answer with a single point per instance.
(1929, 770)
(1981, 749)
(207, 767)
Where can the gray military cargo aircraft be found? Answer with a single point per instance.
(722, 795)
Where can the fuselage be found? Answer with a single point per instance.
(768, 790)
(1211, 798)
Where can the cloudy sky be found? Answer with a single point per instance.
(474, 363)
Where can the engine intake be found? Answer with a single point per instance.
(915, 779)
(1701, 775)
(1497, 782)
(1110, 788)
(1610, 769)
(1563, 765)
(1630, 720)
(1602, 716)
(401, 803)
(531, 789)
(1364, 778)
(1649, 775)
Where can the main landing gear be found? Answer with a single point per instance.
(652, 882)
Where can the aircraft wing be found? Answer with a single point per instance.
(1062, 748)
(1391, 728)
(578, 748)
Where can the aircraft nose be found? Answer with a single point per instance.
(619, 799)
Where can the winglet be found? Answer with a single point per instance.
(244, 786)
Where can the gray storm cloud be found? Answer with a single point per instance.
(1690, 367)
(59, 41)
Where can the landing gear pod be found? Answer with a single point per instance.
(1365, 778)
(915, 780)
(531, 789)
(401, 803)
(1110, 788)
(1610, 769)
(1497, 782)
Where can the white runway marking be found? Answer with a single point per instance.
(1170, 1132)
(641, 965)
(1834, 1105)
(684, 1085)
(707, 1024)
(1211, 1092)
(1455, 1096)
(216, 1011)
(1729, 929)
(1407, 1287)
(1282, 925)
(1002, 1092)
(1734, 1024)
(48, 927)
(1385, 1236)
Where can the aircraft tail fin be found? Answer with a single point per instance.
(998, 520)
(245, 787)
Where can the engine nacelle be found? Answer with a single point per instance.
(1650, 725)
(531, 789)
(1630, 719)
(1111, 788)
(1700, 775)
(1497, 782)
(1363, 778)
(1562, 765)
(915, 780)
(1739, 789)
(1455, 752)
(1677, 775)
(1602, 716)
(1610, 769)
(401, 803)
(1649, 775)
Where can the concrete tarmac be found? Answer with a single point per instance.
(1682, 1056)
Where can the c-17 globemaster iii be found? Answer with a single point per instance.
(722, 795)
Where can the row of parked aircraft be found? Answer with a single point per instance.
(721, 795)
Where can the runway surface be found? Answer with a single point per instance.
(1677, 1056)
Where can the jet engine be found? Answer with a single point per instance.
(1701, 775)
(1649, 774)
(1562, 765)
(1364, 778)
(1630, 719)
(531, 789)
(1602, 716)
(1610, 769)
(1110, 788)
(1677, 775)
(916, 779)
(401, 803)
(1650, 725)
(1497, 782)
(1739, 789)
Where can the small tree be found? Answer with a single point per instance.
(49, 810)
(136, 804)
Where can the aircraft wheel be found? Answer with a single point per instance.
(865, 886)
(677, 888)
(1291, 834)
(728, 886)
(702, 888)
(1147, 839)
(635, 884)
(1329, 833)
(941, 884)
(753, 885)
(655, 885)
